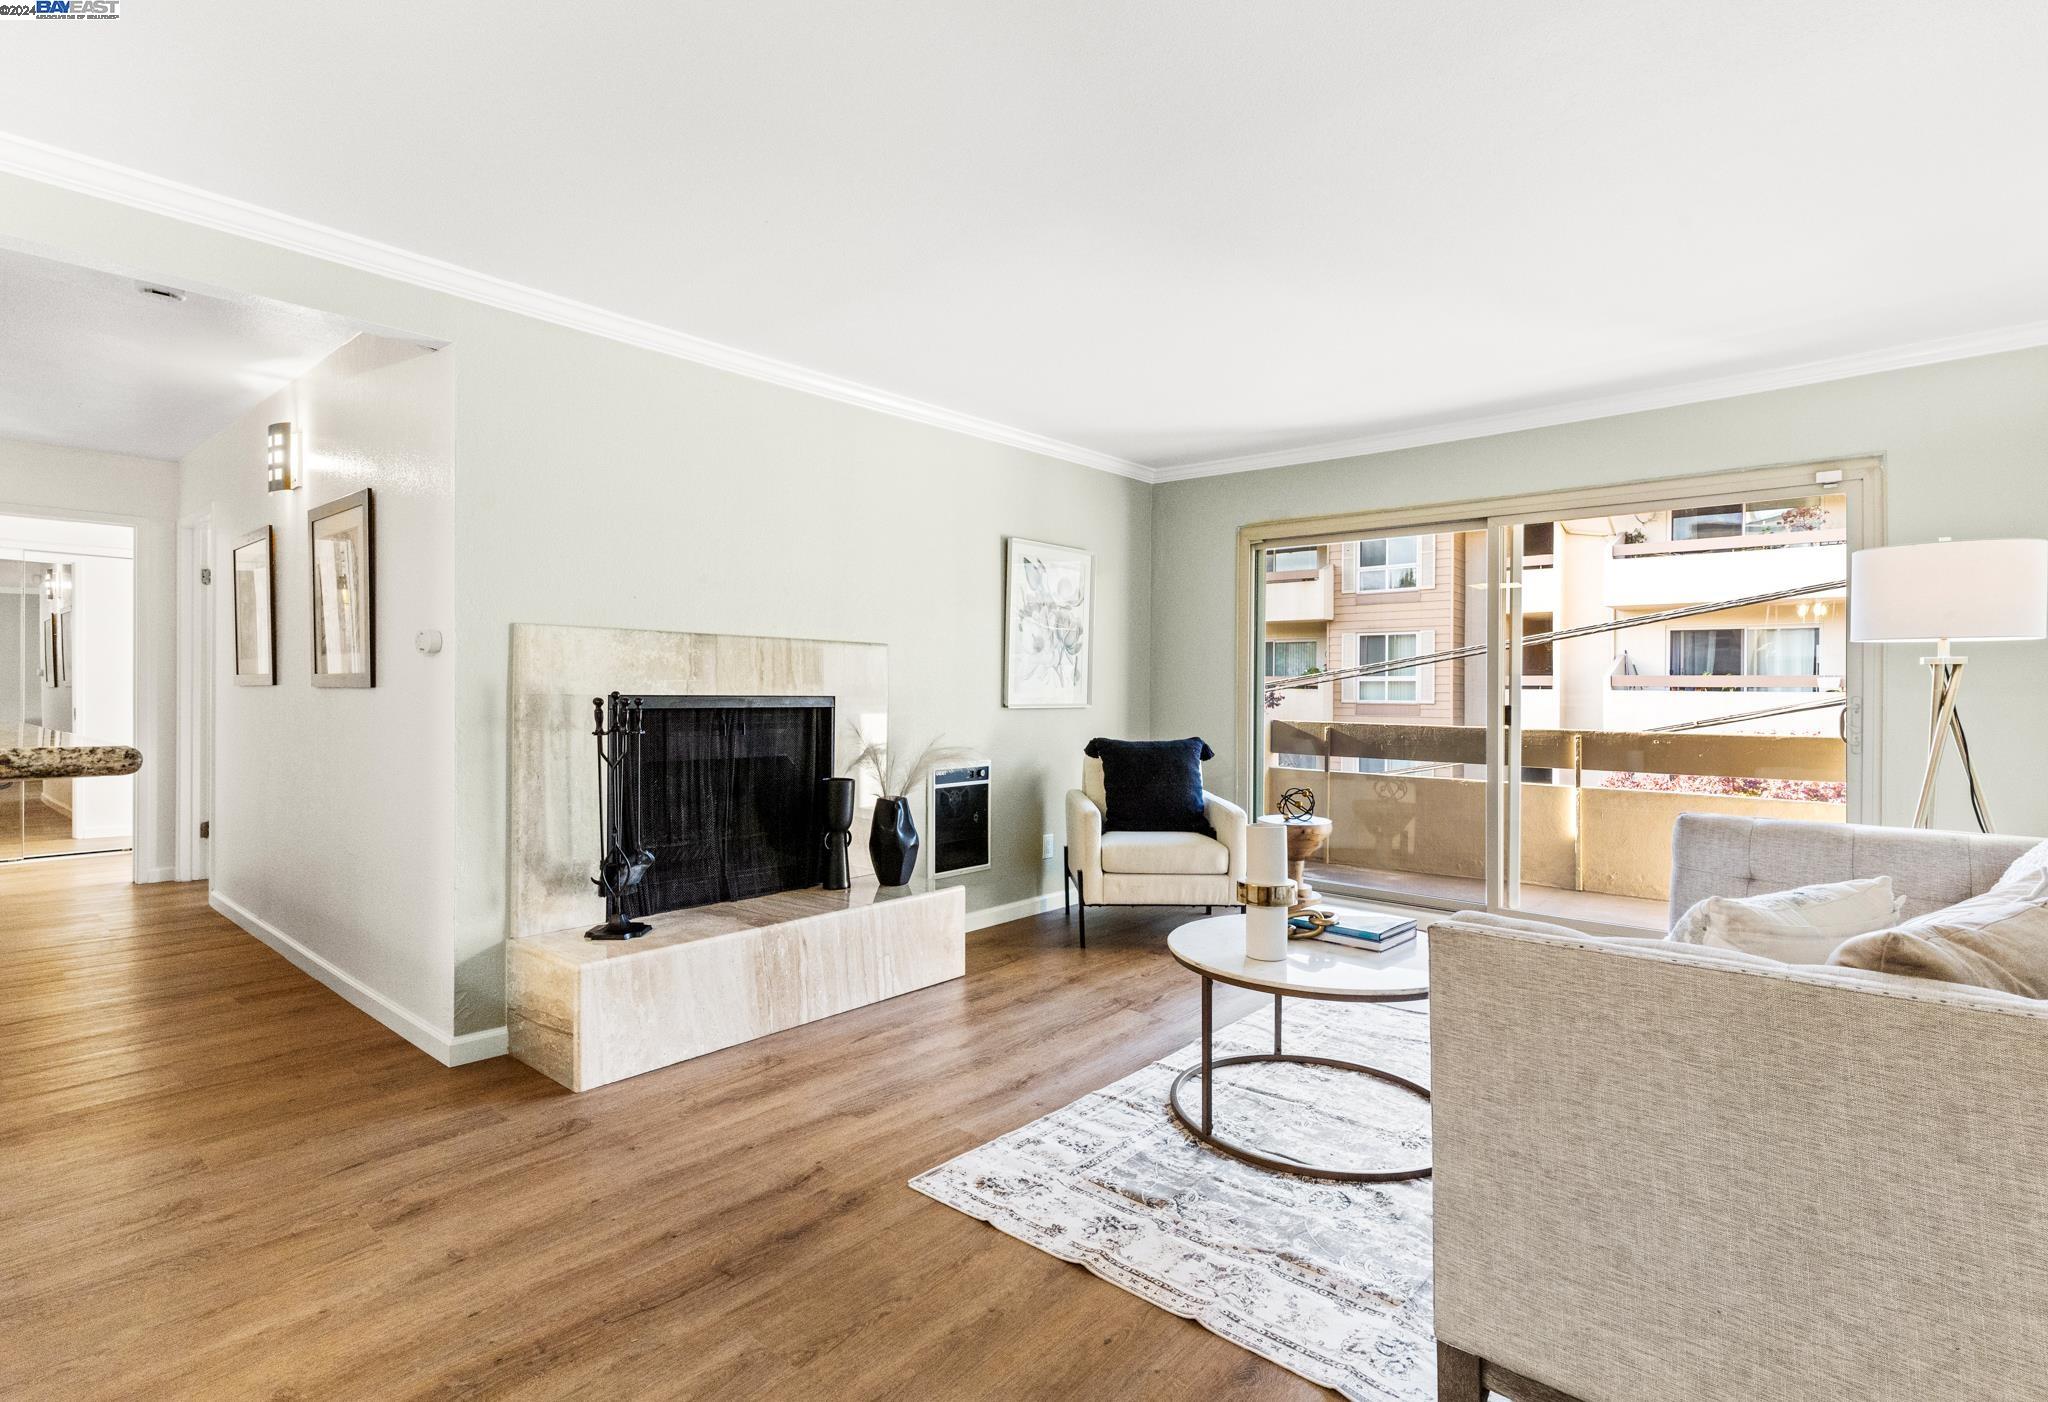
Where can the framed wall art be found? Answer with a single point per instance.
(344, 565)
(255, 560)
(1048, 599)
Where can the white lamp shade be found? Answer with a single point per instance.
(1962, 590)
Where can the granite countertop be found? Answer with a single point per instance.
(38, 752)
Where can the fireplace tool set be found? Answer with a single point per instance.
(620, 727)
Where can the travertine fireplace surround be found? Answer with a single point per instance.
(710, 977)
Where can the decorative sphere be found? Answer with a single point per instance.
(1297, 804)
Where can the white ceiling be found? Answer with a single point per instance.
(1168, 234)
(88, 361)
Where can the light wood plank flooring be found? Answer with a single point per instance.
(221, 1181)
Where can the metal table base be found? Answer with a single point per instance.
(1200, 1127)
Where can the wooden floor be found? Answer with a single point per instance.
(219, 1180)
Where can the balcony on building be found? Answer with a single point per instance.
(1300, 586)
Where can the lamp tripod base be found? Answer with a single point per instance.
(618, 928)
(1946, 723)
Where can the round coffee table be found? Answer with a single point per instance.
(1214, 949)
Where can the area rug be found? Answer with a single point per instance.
(1328, 1279)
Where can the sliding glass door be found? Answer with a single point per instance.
(1513, 711)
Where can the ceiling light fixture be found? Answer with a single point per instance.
(280, 459)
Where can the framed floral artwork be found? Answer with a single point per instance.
(1049, 597)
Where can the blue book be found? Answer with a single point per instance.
(1363, 930)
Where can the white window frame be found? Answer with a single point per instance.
(1750, 637)
(1383, 574)
(1315, 560)
(1424, 678)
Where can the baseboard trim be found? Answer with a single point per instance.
(477, 1046)
(1015, 910)
(152, 875)
(422, 1034)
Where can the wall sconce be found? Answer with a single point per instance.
(281, 458)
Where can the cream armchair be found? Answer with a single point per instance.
(1148, 868)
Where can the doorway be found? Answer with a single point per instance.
(67, 675)
(1510, 708)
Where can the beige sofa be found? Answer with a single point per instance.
(1685, 1174)
(1148, 868)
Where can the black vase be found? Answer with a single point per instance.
(892, 842)
(838, 832)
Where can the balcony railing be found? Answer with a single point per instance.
(1301, 596)
(1598, 847)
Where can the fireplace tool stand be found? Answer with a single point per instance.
(621, 723)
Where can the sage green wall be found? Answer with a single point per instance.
(596, 483)
(1965, 446)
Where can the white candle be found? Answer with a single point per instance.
(1265, 854)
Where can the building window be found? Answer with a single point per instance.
(1536, 657)
(1706, 652)
(1401, 685)
(1393, 562)
(1539, 538)
(1779, 517)
(1289, 658)
(1706, 523)
(1348, 764)
(1784, 652)
(1305, 560)
(1752, 518)
(1284, 760)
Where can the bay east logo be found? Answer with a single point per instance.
(63, 9)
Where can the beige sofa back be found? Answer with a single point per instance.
(1713, 855)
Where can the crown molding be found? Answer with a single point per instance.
(88, 175)
(2025, 336)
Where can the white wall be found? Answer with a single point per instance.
(70, 483)
(878, 529)
(604, 485)
(102, 686)
(1965, 446)
(333, 809)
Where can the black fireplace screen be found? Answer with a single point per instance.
(732, 803)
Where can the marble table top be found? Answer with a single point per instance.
(1312, 968)
(38, 752)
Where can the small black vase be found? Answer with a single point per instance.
(838, 832)
(892, 842)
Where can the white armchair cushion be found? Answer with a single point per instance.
(1229, 821)
(1164, 854)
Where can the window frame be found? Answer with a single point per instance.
(1314, 646)
(1385, 679)
(1385, 569)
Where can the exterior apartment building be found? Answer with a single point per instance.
(1595, 839)
(1336, 605)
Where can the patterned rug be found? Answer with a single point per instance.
(1328, 1279)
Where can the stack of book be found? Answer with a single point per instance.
(1363, 929)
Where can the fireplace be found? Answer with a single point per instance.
(731, 800)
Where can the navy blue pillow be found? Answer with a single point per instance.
(1152, 785)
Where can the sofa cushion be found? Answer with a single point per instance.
(1152, 785)
(1164, 854)
(1997, 940)
(1800, 926)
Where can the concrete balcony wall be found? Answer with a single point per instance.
(1437, 827)
(1305, 703)
(1304, 599)
(1643, 708)
(1668, 578)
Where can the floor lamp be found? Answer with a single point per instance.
(1949, 591)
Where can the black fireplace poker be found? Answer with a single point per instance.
(621, 724)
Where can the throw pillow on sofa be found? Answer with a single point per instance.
(1801, 926)
(1152, 785)
(1997, 940)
